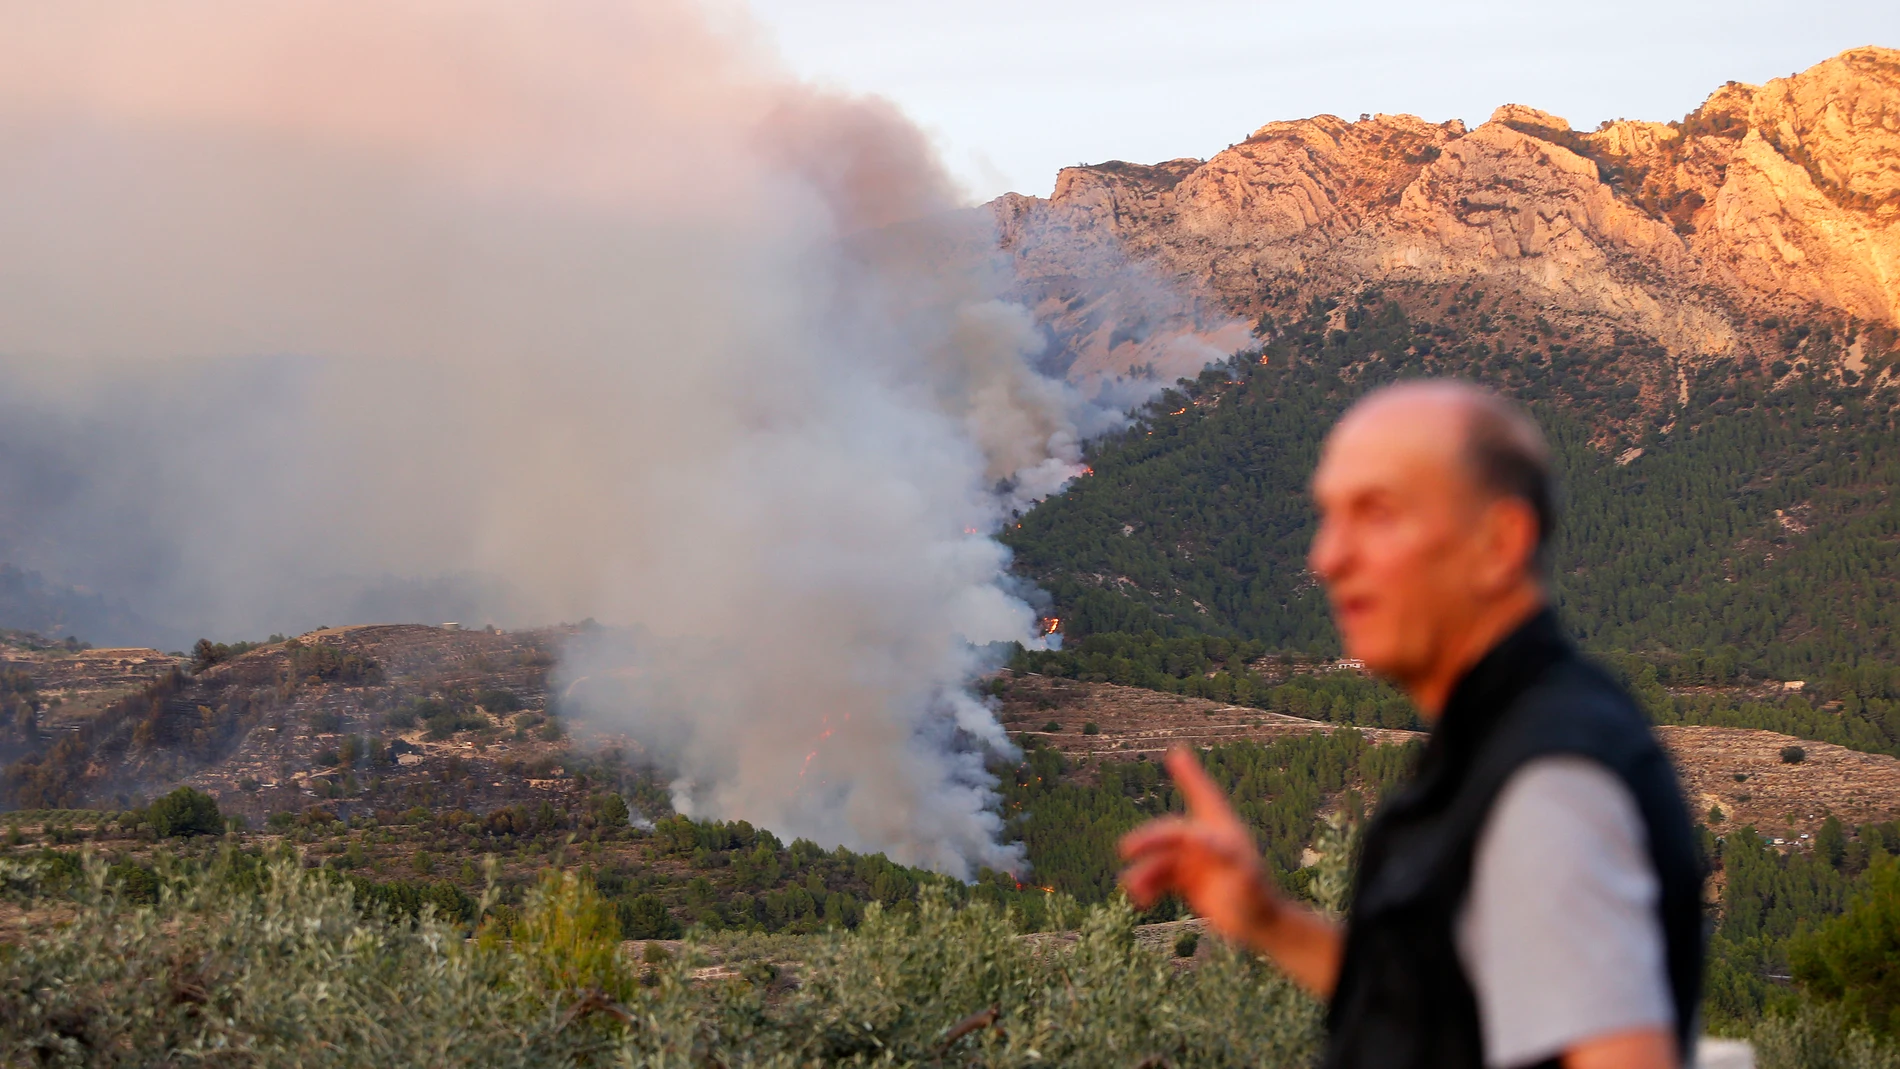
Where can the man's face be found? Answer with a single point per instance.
(1399, 546)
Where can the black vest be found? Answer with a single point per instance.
(1403, 1000)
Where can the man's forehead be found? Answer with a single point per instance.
(1394, 442)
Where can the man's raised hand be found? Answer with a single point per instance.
(1207, 857)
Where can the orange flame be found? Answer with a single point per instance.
(1050, 625)
(824, 723)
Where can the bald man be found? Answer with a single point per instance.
(1532, 896)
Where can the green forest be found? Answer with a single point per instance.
(1753, 539)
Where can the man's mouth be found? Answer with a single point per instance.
(1352, 605)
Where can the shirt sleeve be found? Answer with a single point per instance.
(1560, 934)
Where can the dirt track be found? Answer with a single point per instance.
(1858, 787)
(1132, 721)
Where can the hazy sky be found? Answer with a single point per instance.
(1014, 89)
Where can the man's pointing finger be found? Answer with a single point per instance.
(1204, 797)
(1164, 833)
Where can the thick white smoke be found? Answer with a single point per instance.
(545, 311)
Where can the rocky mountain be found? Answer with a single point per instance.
(1703, 233)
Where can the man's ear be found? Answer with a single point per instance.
(1509, 529)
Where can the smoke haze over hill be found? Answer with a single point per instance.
(529, 313)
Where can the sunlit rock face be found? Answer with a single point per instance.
(1767, 199)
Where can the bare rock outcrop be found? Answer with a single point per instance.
(1779, 198)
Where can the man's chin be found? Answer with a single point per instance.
(1378, 659)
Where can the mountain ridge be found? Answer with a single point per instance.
(1766, 201)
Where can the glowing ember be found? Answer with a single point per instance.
(1178, 411)
(818, 742)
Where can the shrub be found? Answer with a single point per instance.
(1793, 755)
(1853, 959)
(569, 938)
(323, 663)
(496, 700)
(1811, 1036)
(185, 812)
(1052, 727)
(1187, 943)
(441, 727)
(645, 917)
(301, 971)
(1091, 728)
(610, 811)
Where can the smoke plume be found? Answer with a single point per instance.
(318, 313)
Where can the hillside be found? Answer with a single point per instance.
(1737, 532)
(1700, 233)
(1738, 770)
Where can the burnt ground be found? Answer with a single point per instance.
(500, 760)
(272, 730)
(79, 684)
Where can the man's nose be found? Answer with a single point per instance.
(1327, 554)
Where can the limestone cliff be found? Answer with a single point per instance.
(1776, 199)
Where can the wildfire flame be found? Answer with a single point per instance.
(825, 723)
(1179, 411)
(1050, 625)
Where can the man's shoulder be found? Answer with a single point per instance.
(1575, 706)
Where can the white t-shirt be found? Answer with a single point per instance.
(1560, 935)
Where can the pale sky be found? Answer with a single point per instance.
(1014, 89)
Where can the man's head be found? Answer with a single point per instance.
(1435, 507)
